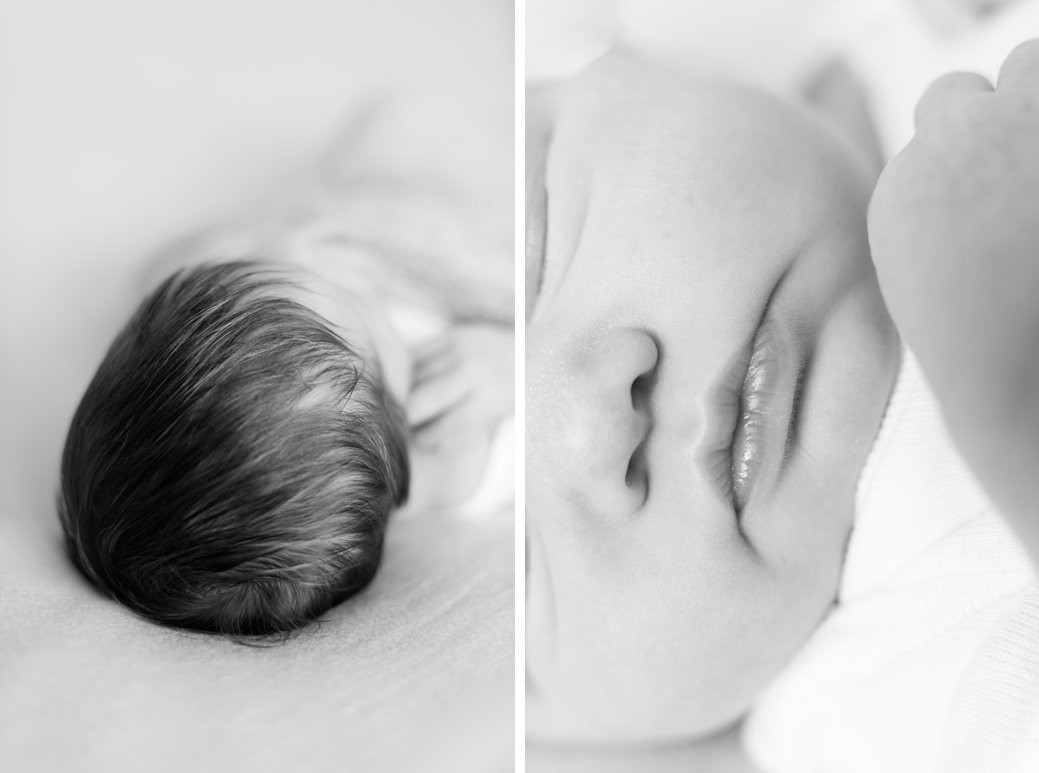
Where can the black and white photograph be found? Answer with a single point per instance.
(258, 481)
(781, 369)
(560, 386)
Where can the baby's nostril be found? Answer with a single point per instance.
(635, 475)
(640, 390)
(645, 381)
(638, 386)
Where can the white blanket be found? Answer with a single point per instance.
(930, 659)
(413, 674)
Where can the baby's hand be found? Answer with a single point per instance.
(463, 385)
(463, 388)
(954, 229)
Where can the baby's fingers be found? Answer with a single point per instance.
(432, 347)
(946, 91)
(434, 359)
(1020, 70)
(449, 428)
(432, 399)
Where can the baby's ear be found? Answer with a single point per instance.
(565, 37)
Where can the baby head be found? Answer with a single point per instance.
(233, 463)
(708, 360)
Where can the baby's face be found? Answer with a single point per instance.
(708, 358)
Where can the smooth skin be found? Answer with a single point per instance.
(666, 216)
(954, 229)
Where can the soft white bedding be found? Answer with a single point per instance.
(126, 124)
(413, 674)
(929, 661)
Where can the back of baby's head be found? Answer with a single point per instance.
(232, 465)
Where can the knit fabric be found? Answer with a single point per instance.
(929, 660)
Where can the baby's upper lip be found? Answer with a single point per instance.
(753, 405)
(767, 406)
(756, 428)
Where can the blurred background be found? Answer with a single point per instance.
(892, 48)
(123, 125)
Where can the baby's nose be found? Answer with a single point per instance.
(604, 419)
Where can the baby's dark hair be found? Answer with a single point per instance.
(233, 463)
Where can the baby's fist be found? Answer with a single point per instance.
(954, 230)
